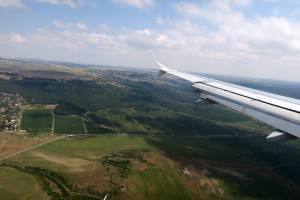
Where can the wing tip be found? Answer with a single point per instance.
(163, 68)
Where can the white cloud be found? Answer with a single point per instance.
(72, 40)
(195, 9)
(160, 21)
(59, 24)
(188, 9)
(70, 25)
(104, 27)
(81, 26)
(12, 3)
(216, 12)
(17, 38)
(21, 3)
(243, 36)
(136, 3)
(70, 3)
(238, 44)
(98, 39)
(146, 39)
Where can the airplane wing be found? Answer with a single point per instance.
(280, 112)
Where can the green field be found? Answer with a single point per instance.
(68, 125)
(37, 120)
(143, 167)
(40, 121)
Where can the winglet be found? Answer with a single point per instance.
(163, 69)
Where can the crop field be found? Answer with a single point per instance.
(145, 167)
(68, 125)
(40, 121)
(37, 120)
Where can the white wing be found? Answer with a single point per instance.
(280, 112)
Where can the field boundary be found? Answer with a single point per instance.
(34, 147)
(53, 122)
(84, 126)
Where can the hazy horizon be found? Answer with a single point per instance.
(222, 77)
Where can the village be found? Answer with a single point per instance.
(10, 111)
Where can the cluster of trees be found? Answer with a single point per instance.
(56, 186)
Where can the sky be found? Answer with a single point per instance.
(252, 38)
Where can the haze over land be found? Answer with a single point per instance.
(258, 38)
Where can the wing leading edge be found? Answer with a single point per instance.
(271, 109)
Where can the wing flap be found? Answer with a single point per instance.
(278, 136)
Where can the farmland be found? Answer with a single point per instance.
(37, 120)
(68, 125)
(137, 136)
